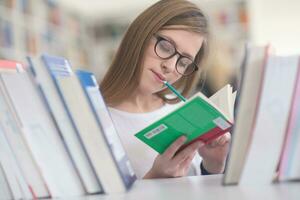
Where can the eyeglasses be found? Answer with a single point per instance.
(166, 50)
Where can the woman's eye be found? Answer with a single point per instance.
(183, 63)
(166, 47)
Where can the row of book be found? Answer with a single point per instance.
(56, 135)
(57, 138)
(266, 135)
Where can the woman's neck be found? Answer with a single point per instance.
(140, 103)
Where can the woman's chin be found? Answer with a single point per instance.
(152, 90)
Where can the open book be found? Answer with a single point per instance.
(199, 118)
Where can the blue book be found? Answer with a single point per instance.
(93, 94)
(49, 87)
(92, 137)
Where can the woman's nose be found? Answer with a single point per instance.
(169, 65)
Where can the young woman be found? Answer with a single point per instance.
(168, 41)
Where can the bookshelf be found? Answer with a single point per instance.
(204, 187)
(229, 24)
(31, 27)
(34, 26)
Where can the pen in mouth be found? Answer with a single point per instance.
(182, 98)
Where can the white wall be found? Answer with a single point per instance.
(277, 22)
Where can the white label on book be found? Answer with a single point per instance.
(221, 123)
(95, 81)
(19, 67)
(155, 131)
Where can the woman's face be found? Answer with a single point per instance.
(159, 66)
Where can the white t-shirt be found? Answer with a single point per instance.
(141, 155)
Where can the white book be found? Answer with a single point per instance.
(269, 129)
(289, 166)
(18, 185)
(4, 187)
(42, 137)
(252, 76)
(20, 148)
(86, 123)
(65, 125)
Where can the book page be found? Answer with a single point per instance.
(222, 99)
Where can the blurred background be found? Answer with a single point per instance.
(88, 32)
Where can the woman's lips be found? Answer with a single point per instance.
(160, 77)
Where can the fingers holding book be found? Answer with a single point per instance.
(220, 141)
(214, 153)
(174, 163)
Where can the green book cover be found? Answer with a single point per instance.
(196, 119)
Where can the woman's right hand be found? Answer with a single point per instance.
(171, 164)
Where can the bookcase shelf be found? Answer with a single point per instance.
(32, 27)
(204, 187)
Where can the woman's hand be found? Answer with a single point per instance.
(214, 154)
(172, 164)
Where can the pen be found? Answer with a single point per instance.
(174, 91)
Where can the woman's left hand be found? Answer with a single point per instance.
(214, 154)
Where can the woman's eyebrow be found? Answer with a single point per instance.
(174, 43)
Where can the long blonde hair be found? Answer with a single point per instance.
(123, 76)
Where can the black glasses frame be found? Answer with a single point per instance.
(159, 39)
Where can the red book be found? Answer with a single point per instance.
(11, 66)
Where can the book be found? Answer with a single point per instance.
(122, 164)
(249, 93)
(289, 164)
(272, 115)
(41, 135)
(90, 131)
(14, 135)
(198, 119)
(67, 128)
(4, 187)
(13, 132)
(10, 66)
(14, 176)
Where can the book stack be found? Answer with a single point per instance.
(56, 135)
(266, 135)
(57, 139)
